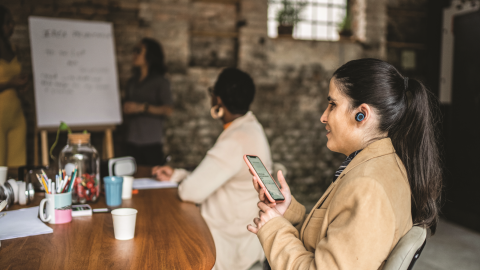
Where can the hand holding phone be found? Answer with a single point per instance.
(267, 183)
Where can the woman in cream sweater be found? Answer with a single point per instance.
(385, 124)
(221, 183)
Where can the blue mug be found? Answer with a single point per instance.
(113, 190)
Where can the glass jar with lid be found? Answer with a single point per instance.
(80, 154)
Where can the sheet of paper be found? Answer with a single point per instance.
(149, 183)
(22, 223)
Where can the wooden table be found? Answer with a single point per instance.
(169, 234)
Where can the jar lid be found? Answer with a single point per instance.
(78, 138)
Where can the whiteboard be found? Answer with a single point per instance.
(75, 75)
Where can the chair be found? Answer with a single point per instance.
(407, 250)
(122, 166)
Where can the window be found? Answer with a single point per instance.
(319, 19)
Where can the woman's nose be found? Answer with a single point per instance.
(323, 119)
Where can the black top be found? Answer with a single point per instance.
(154, 90)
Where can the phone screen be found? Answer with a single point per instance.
(265, 178)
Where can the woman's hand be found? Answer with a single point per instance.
(131, 107)
(266, 214)
(282, 206)
(162, 173)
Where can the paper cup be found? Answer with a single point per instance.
(3, 175)
(124, 223)
(127, 187)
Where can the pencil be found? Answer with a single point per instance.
(45, 184)
(41, 182)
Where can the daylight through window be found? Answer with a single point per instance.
(315, 19)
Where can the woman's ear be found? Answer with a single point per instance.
(219, 101)
(364, 113)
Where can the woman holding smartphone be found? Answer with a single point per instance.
(391, 180)
(220, 183)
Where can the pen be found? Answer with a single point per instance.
(66, 185)
(53, 187)
(74, 175)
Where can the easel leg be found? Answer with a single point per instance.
(35, 147)
(44, 136)
(109, 143)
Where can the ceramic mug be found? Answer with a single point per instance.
(59, 208)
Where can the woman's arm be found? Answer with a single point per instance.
(216, 168)
(165, 110)
(131, 107)
(359, 236)
(16, 83)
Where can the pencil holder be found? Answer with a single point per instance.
(59, 208)
(113, 190)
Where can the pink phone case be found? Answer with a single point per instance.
(260, 182)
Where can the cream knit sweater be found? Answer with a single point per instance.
(222, 185)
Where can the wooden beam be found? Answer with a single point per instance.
(35, 147)
(81, 128)
(109, 143)
(44, 136)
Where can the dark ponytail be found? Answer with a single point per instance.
(409, 113)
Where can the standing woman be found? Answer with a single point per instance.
(148, 101)
(391, 180)
(13, 127)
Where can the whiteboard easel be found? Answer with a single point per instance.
(108, 151)
(75, 78)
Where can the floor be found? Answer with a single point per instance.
(452, 248)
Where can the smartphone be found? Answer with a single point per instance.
(266, 180)
(81, 210)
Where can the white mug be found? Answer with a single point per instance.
(3, 175)
(59, 208)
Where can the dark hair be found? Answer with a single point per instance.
(236, 89)
(409, 113)
(3, 15)
(154, 56)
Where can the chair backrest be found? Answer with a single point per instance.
(122, 166)
(407, 250)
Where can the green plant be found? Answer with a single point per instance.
(63, 126)
(346, 24)
(290, 13)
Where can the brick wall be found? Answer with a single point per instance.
(199, 39)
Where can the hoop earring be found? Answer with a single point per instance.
(216, 112)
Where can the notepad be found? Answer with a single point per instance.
(149, 183)
(22, 223)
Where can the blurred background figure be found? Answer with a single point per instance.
(222, 183)
(148, 101)
(13, 128)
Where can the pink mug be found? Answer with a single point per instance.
(59, 208)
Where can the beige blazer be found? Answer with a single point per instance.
(355, 224)
(222, 185)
